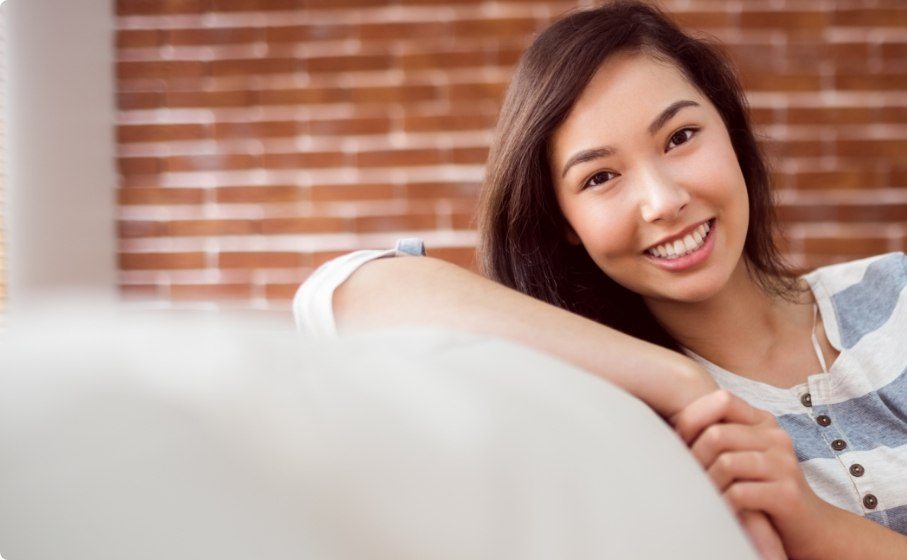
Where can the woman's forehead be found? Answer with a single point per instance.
(625, 94)
(629, 85)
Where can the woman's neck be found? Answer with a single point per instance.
(743, 328)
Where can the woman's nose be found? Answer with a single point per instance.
(662, 197)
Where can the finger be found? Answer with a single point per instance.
(763, 535)
(739, 466)
(775, 498)
(755, 466)
(717, 406)
(723, 438)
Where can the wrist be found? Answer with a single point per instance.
(693, 382)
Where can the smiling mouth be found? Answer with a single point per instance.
(687, 244)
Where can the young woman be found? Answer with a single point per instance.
(627, 197)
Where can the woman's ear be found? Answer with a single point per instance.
(572, 237)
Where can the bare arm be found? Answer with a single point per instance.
(427, 291)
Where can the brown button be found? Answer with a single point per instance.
(806, 400)
(823, 420)
(870, 501)
(857, 469)
(838, 444)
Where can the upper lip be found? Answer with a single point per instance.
(679, 235)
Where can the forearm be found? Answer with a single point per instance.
(851, 537)
(426, 291)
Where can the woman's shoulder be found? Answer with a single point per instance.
(863, 295)
(889, 269)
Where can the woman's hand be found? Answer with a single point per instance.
(751, 461)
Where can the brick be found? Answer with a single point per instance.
(213, 36)
(755, 57)
(794, 148)
(435, 2)
(463, 220)
(838, 179)
(334, 4)
(477, 91)
(139, 100)
(806, 55)
(253, 66)
(161, 69)
(343, 127)
(899, 176)
(448, 122)
(281, 292)
(191, 228)
(461, 256)
(318, 258)
(139, 292)
(273, 259)
(140, 165)
(872, 148)
(793, 22)
(435, 191)
(846, 245)
(401, 158)
(867, 17)
(469, 155)
(440, 60)
(211, 162)
(703, 19)
(897, 114)
(215, 292)
(161, 133)
(128, 229)
(392, 31)
(317, 224)
(400, 222)
(781, 82)
(893, 51)
(260, 129)
(486, 28)
(150, 195)
(161, 261)
(138, 38)
(255, 5)
(312, 32)
(829, 115)
(508, 56)
(306, 96)
(357, 192)
(884, 82)
(160, 7)
(247, 195)
(394, 94)
(304, 160)
(347, 63)
(762, 115)
(209, 99)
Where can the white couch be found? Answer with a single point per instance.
(130, 435)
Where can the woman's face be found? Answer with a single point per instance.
(649, 183)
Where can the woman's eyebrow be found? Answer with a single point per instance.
(660, 120)
(587, 155)
(666, 115)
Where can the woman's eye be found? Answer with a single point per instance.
(599, 178)
(682, 136)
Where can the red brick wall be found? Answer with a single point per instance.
(258, 138)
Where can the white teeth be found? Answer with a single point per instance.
(689, 243)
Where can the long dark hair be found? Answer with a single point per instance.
(523, 244)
